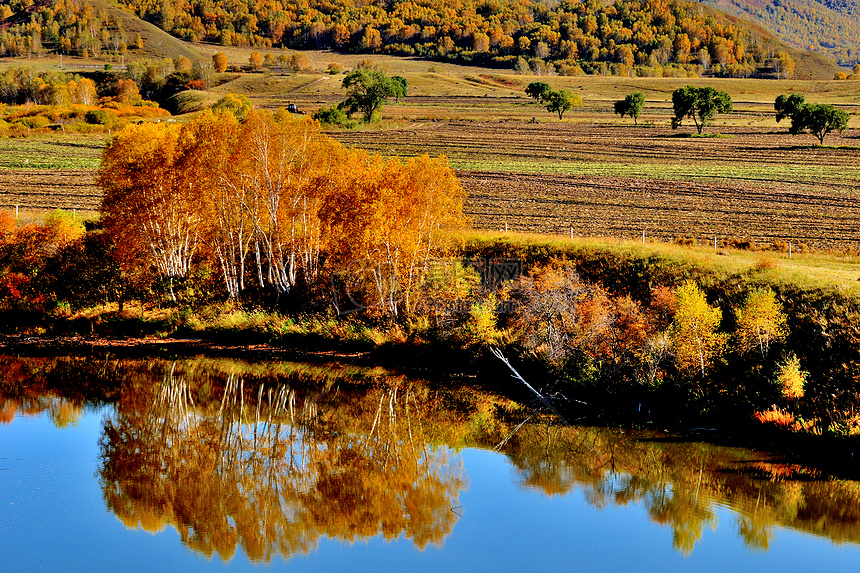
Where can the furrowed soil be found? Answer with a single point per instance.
(591, 175)
(609, 180)
(50, 172)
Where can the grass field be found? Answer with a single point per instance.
(447, 91)
(797, 270)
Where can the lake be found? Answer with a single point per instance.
(206, 464)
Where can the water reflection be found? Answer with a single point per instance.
(269, 458)
(271, 469)
(682, 483)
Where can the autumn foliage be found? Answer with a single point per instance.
(24, 251)
(273, 203)
(655, 36)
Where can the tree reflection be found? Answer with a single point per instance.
(265, 458)
(271, 470)
(680, 484)
(24, 390)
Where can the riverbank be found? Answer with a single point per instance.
(834, 456)
(621, 304)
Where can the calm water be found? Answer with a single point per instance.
(110, 465)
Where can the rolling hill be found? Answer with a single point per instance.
(830, 27)
(655, 38)
(76, 28)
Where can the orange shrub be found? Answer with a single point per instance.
(7, 225)
(775, 416)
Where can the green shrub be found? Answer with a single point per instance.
(239, 105)
(333, 116)
(35, 121)
(98, 117)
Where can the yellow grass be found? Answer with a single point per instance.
(803, 271)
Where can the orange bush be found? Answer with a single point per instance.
(775, 416)
(7, 225)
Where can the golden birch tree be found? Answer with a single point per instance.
(149, 204)
(386, 218)
(212, 142)
(287, 163)
(695, 339)
(760, 321)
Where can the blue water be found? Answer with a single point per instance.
(53, 518)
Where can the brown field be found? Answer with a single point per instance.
(49, 189)
(594, 172)
(665, 210)
(446, 91)
(50, 172)
(588, 179)
(603, 180)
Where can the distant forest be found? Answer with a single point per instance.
(645, 37)
(830, 27)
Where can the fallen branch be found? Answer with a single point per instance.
(498, 354)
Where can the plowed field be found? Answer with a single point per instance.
(605, 180)
(753, 183)
(50, 173)
(625, 207)
(49, 189)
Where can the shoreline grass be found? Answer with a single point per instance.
(829, 272)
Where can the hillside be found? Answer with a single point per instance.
(156, 42)
(829, 27)
(92, 28)
(652, 38)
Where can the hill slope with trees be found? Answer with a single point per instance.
(79, 27)
(829, 27)
(629, 37)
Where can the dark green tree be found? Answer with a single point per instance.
(818, 119)
(788, 107)
(631, 105)
(561, 101)
(332, 116)
(700, 104)
(367, 91)
(401, 84)
(538, 90)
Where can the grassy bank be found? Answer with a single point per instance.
(819, 294)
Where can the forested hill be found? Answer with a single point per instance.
(571, 35)
(830, 27)
(644, 37)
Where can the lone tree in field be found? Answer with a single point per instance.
(631, 105)
(219, 62)
(367, 91)
(817, 118)
(402, 85)
(561, 101)
(538, 90)
(700, 104)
